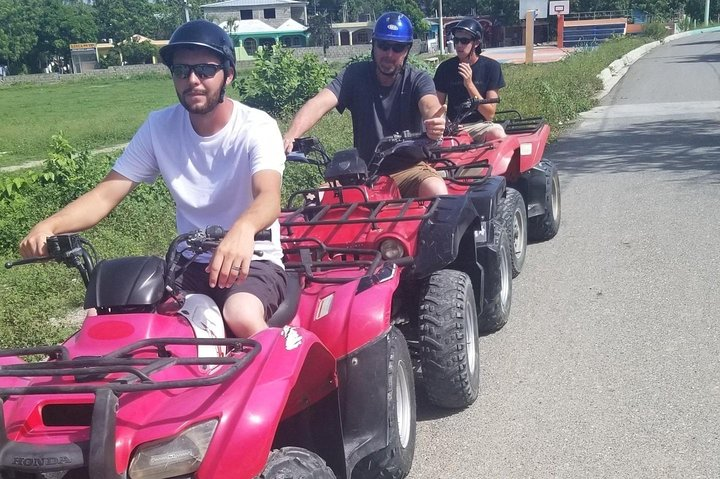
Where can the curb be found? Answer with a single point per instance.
(617, 69)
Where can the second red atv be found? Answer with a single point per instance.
(531, 204)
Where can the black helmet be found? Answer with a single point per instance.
(471, 26)
(200, 33)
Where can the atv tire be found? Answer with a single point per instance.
(449, 341)
(514, 215)
(546, 226)
(295, 463)
(394, 461)
(497, 283)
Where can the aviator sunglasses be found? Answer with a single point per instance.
(202, 70)
(396, 47)
(462, 40)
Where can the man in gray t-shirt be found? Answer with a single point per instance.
(384, 96)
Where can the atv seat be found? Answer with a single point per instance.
(287, 309)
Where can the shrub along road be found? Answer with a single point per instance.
(609, 364)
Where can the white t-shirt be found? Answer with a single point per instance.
(208, 177)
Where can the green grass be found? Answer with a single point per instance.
(93, 113)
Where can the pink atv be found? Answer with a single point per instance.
(151, 387)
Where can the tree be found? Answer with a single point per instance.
(321, 34)
(138, 53)
(17, 30)
(61, 24)
(169, 14)
(120, 20)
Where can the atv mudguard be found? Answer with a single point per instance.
(297, 380)
(356, 330)
(517, 153)
(532, 185)
(440, 236)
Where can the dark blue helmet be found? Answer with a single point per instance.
(200, 33)
(393, 27)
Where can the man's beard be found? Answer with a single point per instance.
(212, 101)
(388, 69)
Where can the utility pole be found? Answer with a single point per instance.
(441, 37)
(707, 13)
(187, 12)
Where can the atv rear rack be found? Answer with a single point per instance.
(524, 125)
(315, 257)
(91, 373)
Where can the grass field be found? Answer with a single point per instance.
(95, 113)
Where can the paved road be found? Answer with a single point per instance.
(610, 364)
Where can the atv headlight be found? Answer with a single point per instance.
(392, 249)
(180, 455)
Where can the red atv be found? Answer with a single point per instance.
(531, 206)
(151, 387)
(452, 266)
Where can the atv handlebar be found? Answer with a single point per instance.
(467, 108)
(76, 252)
(70, 249)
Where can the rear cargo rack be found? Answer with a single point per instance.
(524, 125)
(314, 257)
(91, 373)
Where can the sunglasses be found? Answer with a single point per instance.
(462, 40)
(201, 70)
(396, 47)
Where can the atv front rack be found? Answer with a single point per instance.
(91, 373)
(358, 212)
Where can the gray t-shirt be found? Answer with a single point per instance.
(380, 111)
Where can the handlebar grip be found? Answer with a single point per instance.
(215, 232)
(263, 235)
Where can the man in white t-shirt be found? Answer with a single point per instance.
(222, 162)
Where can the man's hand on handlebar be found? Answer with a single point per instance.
(35, 243)
(435, 126)
(231, 260)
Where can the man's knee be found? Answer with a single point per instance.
(432, 186)
(244, 314)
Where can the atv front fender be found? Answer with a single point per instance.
(440, 235)
(297, 372)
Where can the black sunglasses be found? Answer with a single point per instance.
(396, 47)
(462, 40)
(202, 70)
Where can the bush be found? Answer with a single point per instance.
(37, 298)
(656, 30)
(281, 82)
(138, 53)
(413, 60)
(112, 59)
